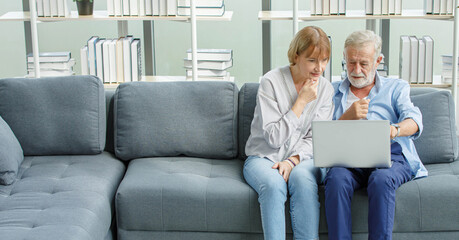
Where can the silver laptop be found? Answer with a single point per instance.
(351, 143)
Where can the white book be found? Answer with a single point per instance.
(60, 8)
(100, 59)
(319, 10)
(436, 7)
(391, 10)
(118, 8)
(171, 7)
(342, 7)
(443, 7)
(148, 7)
(67, 7)
(46, 8)
(92, 54)
(127, 58)
(201, 3)
(377, 7)
(369, 7)
(119, 60)
(207, 73)
(421, 61)
(404, 60)
(40, 8)
(326, 7)
(126, 9)
(398, 7)
(84, 60)
(414, 52)
(428, 6)
(211, 54)
(51, 73)
(53, 6)
(50, 57)
(214, 65)
(111, 7)
(450, 6)
(384, 7)
(112, 60)
(155, 8)
(182, 11)
(162, 7)
(136, 60)
(106, 59)
(54, 65)
(202, 78)
(429, 44)
(142, 7)
(334, 7)
(313, 7)
(134, 7)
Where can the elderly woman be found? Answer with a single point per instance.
(280, 145)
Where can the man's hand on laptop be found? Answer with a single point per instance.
(357, 110)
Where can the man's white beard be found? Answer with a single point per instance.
(361, 83)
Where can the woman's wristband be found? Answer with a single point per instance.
(290, 160)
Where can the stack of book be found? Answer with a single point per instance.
(212, 64)
(53, 8)
(112, 60)
(52, 64)
(164, 7)
(383, 7)
(328, 7)
(442, 7)
(447, 68)
(382, 68)
(416, 59)
(203, 7)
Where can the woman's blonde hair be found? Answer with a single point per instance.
(309, 39)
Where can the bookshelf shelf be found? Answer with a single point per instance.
(103, 16)
(350, 14)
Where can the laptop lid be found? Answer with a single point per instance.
(351, 143)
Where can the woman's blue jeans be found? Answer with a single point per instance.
(273, 191)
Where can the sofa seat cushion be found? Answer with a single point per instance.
(422, 205)
(186, 194)
(61, 197)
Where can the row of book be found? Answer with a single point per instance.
(52, 64)
(328, 7)
(447, 68)
(112, 60)
(53, 8)
(164, 7)
(416, 59)
(212, 64)
(383, 7)
(443, 7)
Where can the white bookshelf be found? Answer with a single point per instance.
(102, 15)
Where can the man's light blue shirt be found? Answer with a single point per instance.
(389, 100)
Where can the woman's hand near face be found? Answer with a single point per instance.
(307, 94)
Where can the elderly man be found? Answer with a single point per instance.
(366, 95)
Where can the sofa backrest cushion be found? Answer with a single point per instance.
(196, 119)
(11, 155)
(247, 103)
(438, 141)
(55, 115)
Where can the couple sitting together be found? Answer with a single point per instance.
(280, 162)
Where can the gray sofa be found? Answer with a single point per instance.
(183, 145)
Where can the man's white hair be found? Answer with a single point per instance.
(361, 38)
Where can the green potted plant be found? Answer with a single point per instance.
(85, 7)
